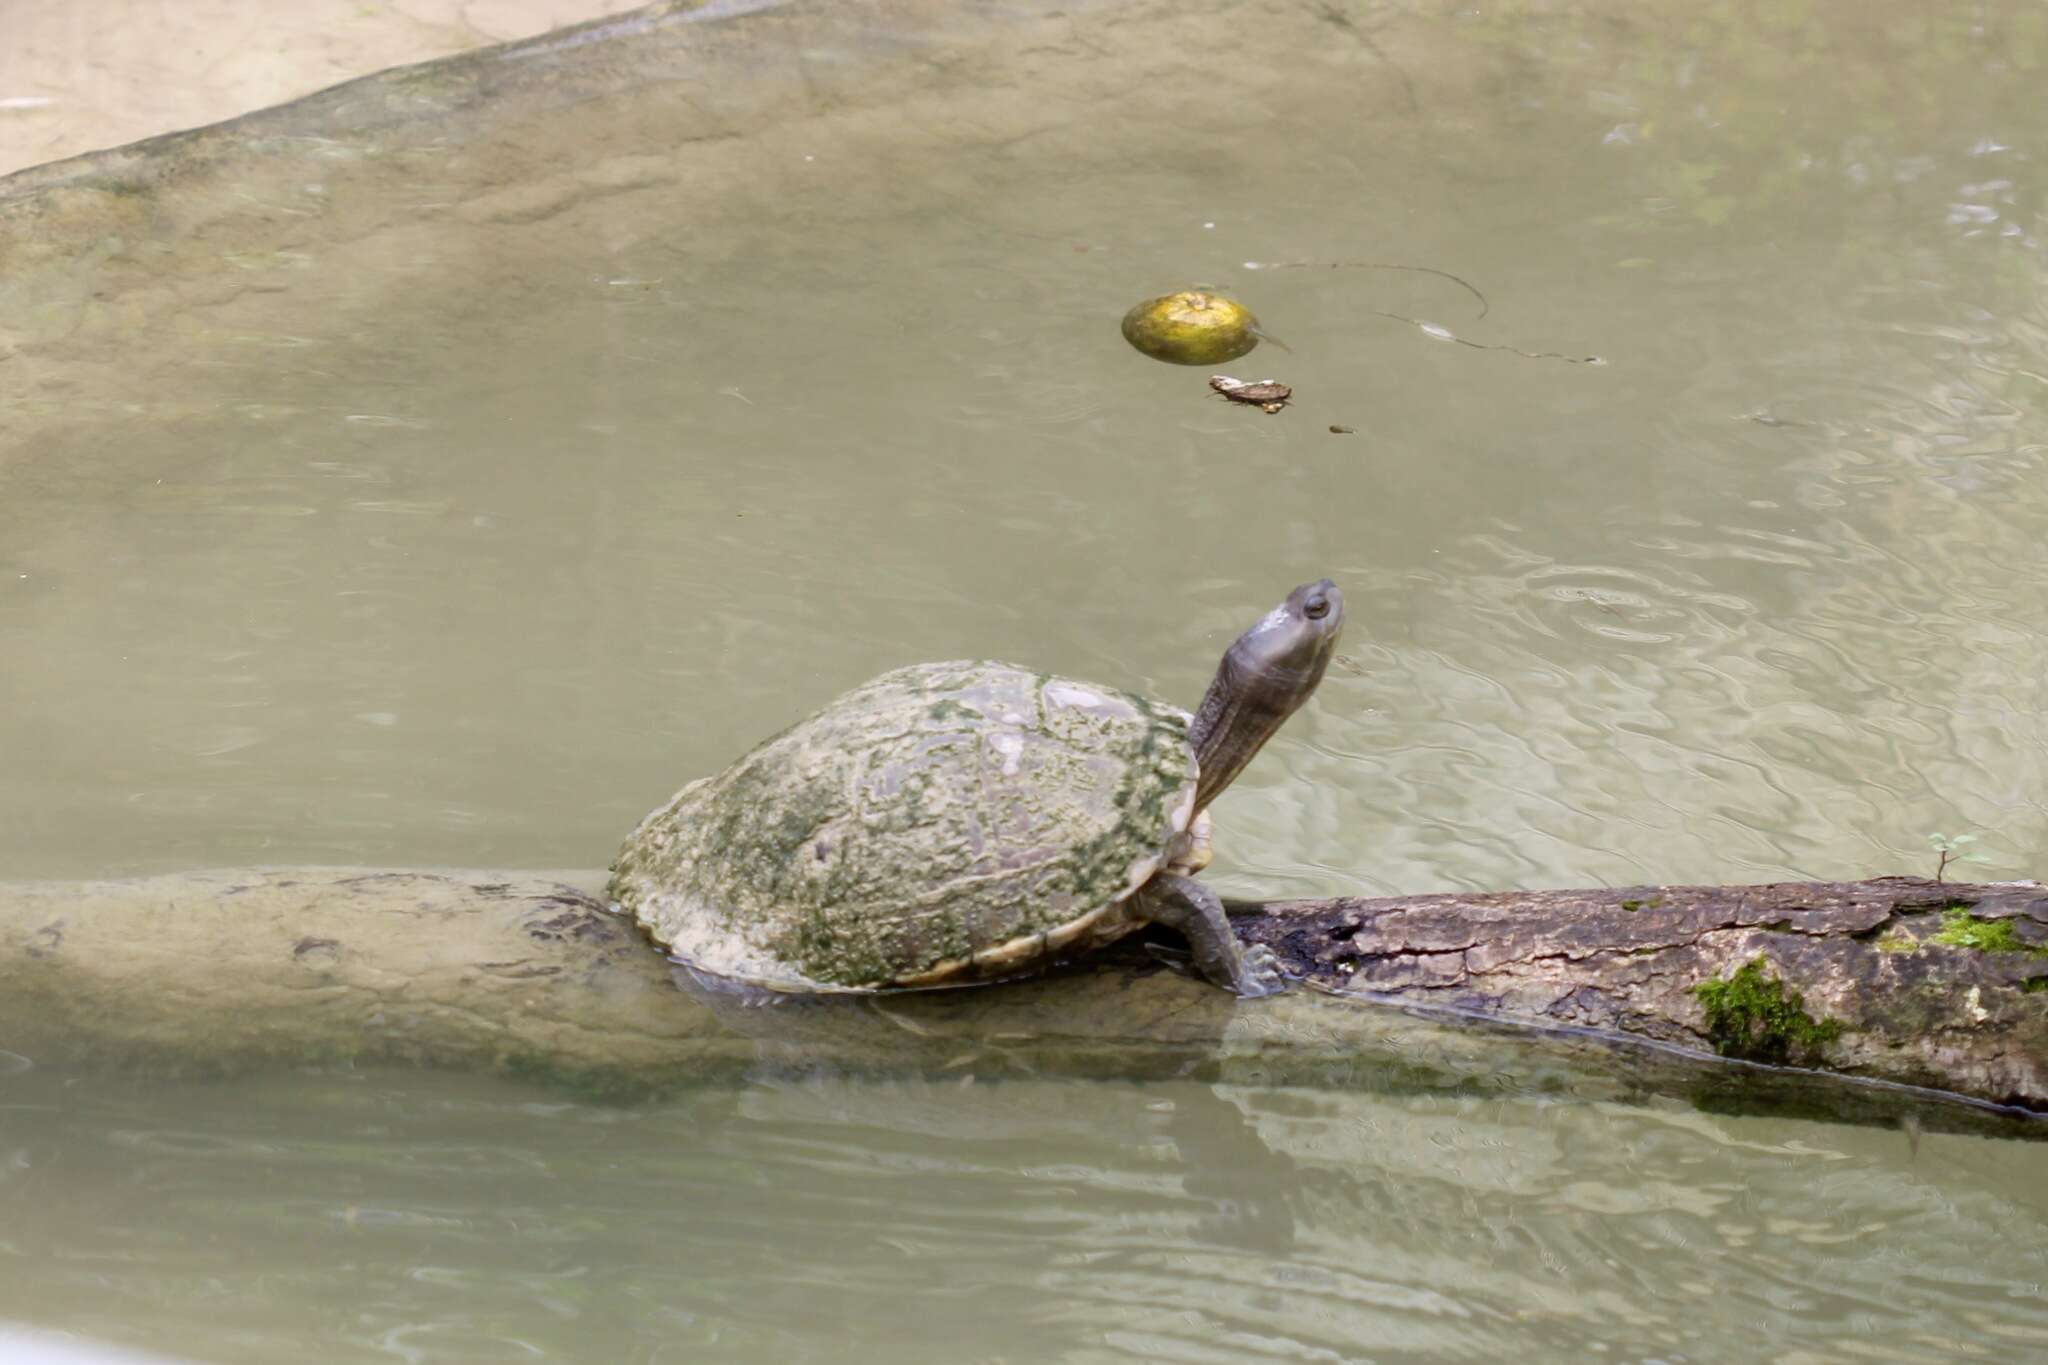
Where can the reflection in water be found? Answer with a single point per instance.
(453, 503)
(376, 1217)
(1231, 1167)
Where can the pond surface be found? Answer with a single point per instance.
(451, 496)
(443, 1219)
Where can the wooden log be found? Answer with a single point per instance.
(1897, 979)
(1906, 983)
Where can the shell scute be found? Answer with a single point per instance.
(940, 820)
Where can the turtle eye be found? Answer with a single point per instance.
(1316, 608)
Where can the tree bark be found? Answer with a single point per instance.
(1901, 980)
(1898, 981)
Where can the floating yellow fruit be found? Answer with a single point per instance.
(1191, 328)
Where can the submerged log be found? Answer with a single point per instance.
(1914, 985)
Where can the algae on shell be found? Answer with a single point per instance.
(941, 820)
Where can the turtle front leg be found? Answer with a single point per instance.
(1185, 904)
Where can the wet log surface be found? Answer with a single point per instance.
(1896, 981)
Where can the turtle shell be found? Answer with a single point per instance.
(945, 821)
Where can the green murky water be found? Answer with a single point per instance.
(414, 1218)
(451, 497)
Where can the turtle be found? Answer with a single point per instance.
(967, 821)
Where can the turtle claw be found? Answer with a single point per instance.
(1246, 970)
(1262, 974)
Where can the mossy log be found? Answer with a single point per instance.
(1911, 984)
(1897, 979)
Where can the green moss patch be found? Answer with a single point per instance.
(1961, 929)
(1896, 942)
(1754, 1016)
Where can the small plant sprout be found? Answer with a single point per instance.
(1950, 847)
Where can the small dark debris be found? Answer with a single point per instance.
(1337, 430)
(316, 945)
(1267, 395)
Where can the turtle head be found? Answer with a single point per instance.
(1265, 675)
